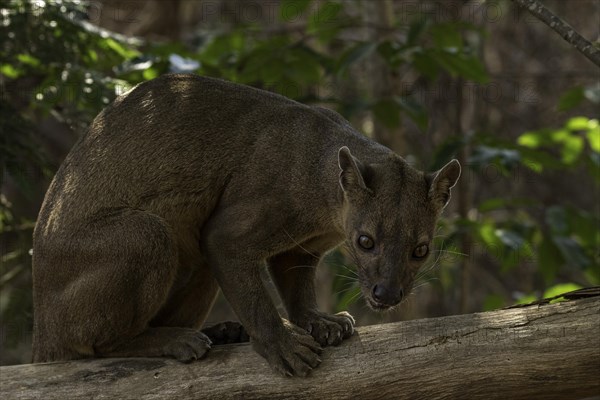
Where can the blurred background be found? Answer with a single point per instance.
(481, 81)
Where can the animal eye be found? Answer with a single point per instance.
(365, 242)
(421, 251)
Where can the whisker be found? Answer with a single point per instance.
(301, 266)
(423, 284)
(298, 244)
(350, 277)
(451, 252)
(343, 290)
(354, 298)
(352, 273)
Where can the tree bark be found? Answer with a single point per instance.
(543, 351)
(565, 30)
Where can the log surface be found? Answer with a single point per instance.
(549, 351)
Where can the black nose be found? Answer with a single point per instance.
(384, 295)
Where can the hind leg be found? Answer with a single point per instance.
(226, 332)
(192, 300)
(97, 289)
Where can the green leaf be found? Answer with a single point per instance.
(559, 289)
(571, 99)
(10, 71)
(289, 10)
(28, 59)
(550, 259)
(526, 299)
(538, 160)
(457, 63)
(532, 140)
(493, 302)
(572, 148)
(485, 155)
(486, 233)
(324, 22)
(446, 151)
(93, 55)
(426, 64)
(578, 124)
(120, 49)
(592, 162)
(150, 73)
(387, 111)
(593, 135)
(354, 54)
(556, 218)
(301, 67)
(501, 203)
(446, 36)
(416, 29)
(572, 252)
(415, 111)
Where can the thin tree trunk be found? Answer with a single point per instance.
(566, 31)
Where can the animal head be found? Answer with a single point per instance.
(389, 215)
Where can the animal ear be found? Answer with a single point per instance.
(441, 183)
(350, 175)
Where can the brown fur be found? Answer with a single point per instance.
(187, 184)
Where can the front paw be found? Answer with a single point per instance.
(291, 352)
(327, 329)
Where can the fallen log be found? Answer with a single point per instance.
(543, 351)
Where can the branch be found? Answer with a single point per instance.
(543, 351)
(562, 28)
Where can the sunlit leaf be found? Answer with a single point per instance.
(487, 233)
(119, 48)
(538, 160)
(572, 148)
(559, 289)
(593, 136)
(28, 59)
(10, 71)
(578, 124)
(150, 73)
(526, 299)
(531, 139)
